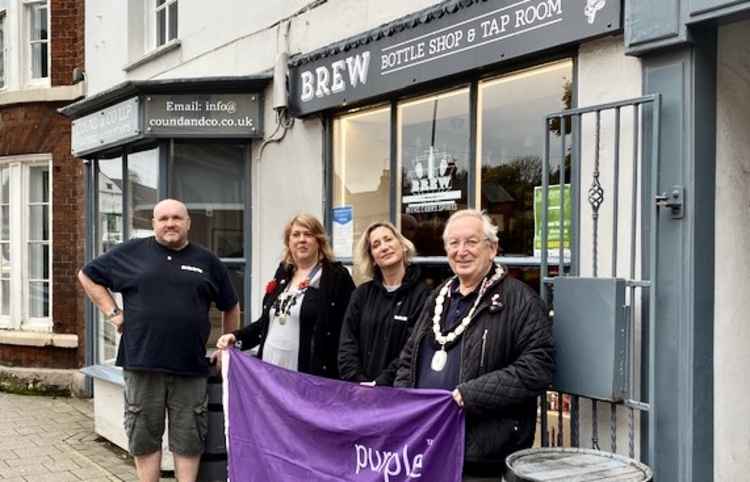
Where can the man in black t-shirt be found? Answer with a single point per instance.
(167, 285)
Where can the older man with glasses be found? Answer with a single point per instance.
(487, 338)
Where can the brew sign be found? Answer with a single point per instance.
(458, 39)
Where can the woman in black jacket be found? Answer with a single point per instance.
(303, 306)
(382, 311)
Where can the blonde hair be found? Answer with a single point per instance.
(311, 223)
(363, 256)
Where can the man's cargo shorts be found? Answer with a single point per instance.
(149, 395)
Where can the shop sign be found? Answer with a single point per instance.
(482, 34)
(179, 115)
(559, 227)
(113, 125)
(203, 115)
(429, 184)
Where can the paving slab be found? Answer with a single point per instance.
(53, 439)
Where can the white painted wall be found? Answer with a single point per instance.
(732, 322)
(235, 37)
(232, 37)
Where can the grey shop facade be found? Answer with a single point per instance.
(443, 110)
(431, 113)
(142, 141)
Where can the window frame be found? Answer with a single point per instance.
(436, 88)
(154, 11)
(3, 50)
(29, 10)
(18, 200)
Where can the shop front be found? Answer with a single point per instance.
(445, 110)
(145, 141)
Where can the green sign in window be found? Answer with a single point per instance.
(557, 231)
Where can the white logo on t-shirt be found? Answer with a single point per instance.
(186, 267)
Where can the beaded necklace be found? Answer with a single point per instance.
(440, 358)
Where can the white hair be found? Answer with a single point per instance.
(490, 230)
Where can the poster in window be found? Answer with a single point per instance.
(343, 231)
(430, 186)
(558, 227)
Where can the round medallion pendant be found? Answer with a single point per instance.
(439, 359)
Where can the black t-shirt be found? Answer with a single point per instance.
(166, 296)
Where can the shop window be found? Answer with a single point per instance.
(438, 174)
(143, 191)
(433, 148)
(165, 21)
(25, 243)
(209, 178)
(38, 40)
(361, 175)
(511, 148)
(109, 233)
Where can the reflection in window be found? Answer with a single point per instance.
(110, 204)
(210, 180)
(433, 153)
(511, 147)
(109, 233)
(361, 182)
(237, 277)
(143, 191)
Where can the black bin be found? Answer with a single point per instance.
(213, 467)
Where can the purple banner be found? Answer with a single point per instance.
(285, 426)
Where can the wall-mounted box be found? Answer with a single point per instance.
(590, 323)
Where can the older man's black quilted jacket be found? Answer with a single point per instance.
(506, 363)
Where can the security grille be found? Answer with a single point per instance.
(602, 251)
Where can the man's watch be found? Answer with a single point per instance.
(115, 311)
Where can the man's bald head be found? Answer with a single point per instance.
(171, 223)
(170, 204)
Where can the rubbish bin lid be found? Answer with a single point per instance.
(574, 464)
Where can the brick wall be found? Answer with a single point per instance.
(29, 356)
(33, 128)
(66, 39)
(38, 128)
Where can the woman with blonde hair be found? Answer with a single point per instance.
(382, 311)
(303, 306)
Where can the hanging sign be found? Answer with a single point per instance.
(214, 115)
(442, 41)
(203, 115)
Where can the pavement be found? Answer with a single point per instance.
(53, 439)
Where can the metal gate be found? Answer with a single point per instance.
(603, 251)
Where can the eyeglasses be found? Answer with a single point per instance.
(454, 244)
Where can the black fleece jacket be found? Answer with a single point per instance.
(507, 361)
(376, 326)
(321, 314)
